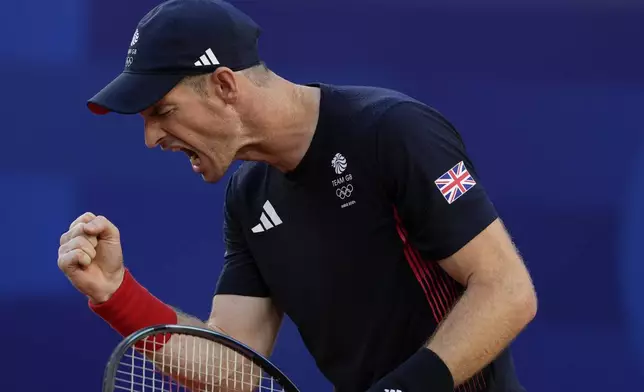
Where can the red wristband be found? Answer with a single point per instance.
(132, 308)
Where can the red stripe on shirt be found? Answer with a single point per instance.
(440, 291)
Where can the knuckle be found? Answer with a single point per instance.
(78, 230)
(81, 242)
(86, 217)
(77, 254)
(66, 259)
(87, 246)
(62, 249)
(108, 225)
(98, 221)
(103, 221)
(76, 243)
(61, 262)
(93, 241)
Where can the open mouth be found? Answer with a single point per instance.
(191, 155)
(194, 158)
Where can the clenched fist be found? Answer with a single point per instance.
(90, 255)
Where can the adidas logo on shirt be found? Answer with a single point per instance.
(268, 219)
(207, 58)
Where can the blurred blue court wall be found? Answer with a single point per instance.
(549, 96)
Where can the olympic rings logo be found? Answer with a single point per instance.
(344, 192)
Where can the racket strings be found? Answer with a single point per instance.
(237, 373)
(189, 364)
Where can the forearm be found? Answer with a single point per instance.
(483, 322)
(193, 362)
(200, 364)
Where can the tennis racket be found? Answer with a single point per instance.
(177, 358)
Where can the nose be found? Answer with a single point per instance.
(153, 133)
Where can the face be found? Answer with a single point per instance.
(202, 123)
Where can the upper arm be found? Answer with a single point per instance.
(419, 156)
(242, 307)
(489, 258)
(420, 153)
(438, 193)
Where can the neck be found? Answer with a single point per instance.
(285, 119)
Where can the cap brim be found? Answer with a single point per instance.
(132, 93)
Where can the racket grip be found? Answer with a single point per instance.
(132, 307)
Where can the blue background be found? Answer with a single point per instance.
(548, 95)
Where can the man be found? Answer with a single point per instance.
(358, 213)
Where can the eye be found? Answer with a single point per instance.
(161, 111)
(165, 112)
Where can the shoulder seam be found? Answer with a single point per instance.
(440, 117)
(386, 111)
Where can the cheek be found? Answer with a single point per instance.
(206, 132)
(186, 128)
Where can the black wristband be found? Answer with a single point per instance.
(422, 372)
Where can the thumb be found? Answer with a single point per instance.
(102, 228)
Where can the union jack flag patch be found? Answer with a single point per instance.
(455, 182)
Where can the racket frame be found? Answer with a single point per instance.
(126, 344)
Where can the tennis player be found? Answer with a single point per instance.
(357, 212)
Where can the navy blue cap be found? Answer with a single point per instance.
(178, 38)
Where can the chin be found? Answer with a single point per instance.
(211, 176)
(210, 180)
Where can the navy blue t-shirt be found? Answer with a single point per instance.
(347, 244)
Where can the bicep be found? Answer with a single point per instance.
(254, 321)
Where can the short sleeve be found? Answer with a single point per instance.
(240, 274)
(438, 196)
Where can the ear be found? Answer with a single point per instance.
(224, 84)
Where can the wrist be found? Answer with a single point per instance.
(131, 307)
(119, 276)
(423, 371)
